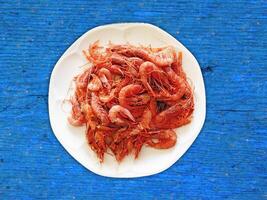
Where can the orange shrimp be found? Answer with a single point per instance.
(89, 115)
(131, 96)
(178, 86)
(164, 57)
(146, 119)
(149, 71)
(129, 51)
(105, 77)
(116, 69)
(77, 117)
(105, 98)
(120, 116)
(82, 79)
(136, 62)
(162, 139)
(139, 141)
(94, 84)
(99, 111)
(118, 59)
(134, 65)
(122, 147)
(127, 65)
(121, 84)
(175, 115)
(95, 55)
(96, 140)
(177, 65)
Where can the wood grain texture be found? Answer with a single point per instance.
(227, 161)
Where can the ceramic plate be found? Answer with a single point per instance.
(150, 161)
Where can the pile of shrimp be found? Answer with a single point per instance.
(130, 96)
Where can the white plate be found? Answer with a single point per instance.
(150, 161)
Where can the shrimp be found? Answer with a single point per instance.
(149, 71)
(120, 116)
(170, 86)
(134, 66)
(96, 141)
(178, 86)
(94, 84)
(118, 59)
(99, 111)
(136, 62)
(131, 96)
(164, 57)
(129, 51)
(146, 119)
(105, 98)
(82, 80)
(80, 94)
(120, 85)
(116, 69)
(177, 65)
(95, 53)
(105, 77)
(123, 143)
(89, 115)
(165, 139)
(77, 118)
(138, 144)
(125, 63)
(175, 116)
(144, 123)
(122, 147)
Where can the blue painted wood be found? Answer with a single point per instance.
(227, 161)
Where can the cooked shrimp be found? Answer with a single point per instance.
(106, 97)
(163, 139)
(177, 65)
(89, 115)
(129, 51)
(96, 140)
(149, 71)
(77, 117)
(116, 69)
(82, 79)
(162, 58)
(120, 116)
(136, 62)
(118, 59)
(98, 109)
(146, 119)
(94, 84)
(131, 96)
(105, 77)
(178, 85)
(121, 84)
(180, 111)
(127, 65)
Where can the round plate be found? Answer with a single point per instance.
(150, 161)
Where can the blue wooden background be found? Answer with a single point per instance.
(227, 161)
